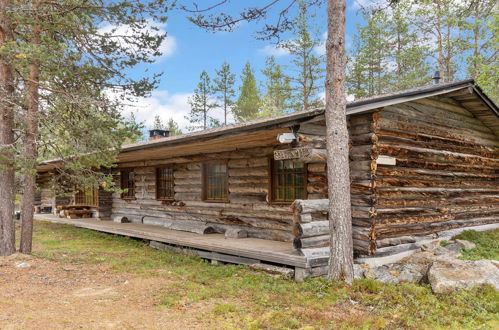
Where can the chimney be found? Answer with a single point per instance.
(436, 78)
(156, 134)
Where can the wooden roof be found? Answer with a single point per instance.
(263, 131)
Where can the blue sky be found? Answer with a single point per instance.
(189, 50)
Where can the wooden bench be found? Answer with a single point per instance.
(74, 214)
(74, 211)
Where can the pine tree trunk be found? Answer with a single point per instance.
(30, 150)
(7, 173)
(340, 214)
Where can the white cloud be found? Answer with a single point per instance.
(167, 48)
(166, 105)
(160, 103)
(273, 50)
(321, 49)
(366, 4)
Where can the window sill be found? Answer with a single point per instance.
(225, 201)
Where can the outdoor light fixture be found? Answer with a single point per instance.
(286, 137)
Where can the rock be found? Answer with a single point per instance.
(467, 245)
(23, 265)
(414, 273)
(359, 269)
(454, 247)
(398, 273)
(381, 274)
(430, 246)
(452, 275)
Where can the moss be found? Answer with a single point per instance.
(487, 244)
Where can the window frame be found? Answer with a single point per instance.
(95, 196)
(172, 182)
(204, 190)
(273, 186)
(127, 195)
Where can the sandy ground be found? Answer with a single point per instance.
(50, 295)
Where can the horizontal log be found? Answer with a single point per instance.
(248, 179)
(435, 155)
(310, 206)
(413, 111)
(416, 141)
(253, 171)
(364, 152)
(311, 242)
(429, 228)
(316, 228)
(388, 125)
(445, 106)
(249, 162)
(316, 168)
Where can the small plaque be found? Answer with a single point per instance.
(386, 160)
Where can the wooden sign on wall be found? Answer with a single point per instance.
(307, 155)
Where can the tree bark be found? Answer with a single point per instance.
(30, 147)
(7, 173)
(340, 214)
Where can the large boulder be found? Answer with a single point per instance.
(467, 245)
(451, 275)
(398, 273)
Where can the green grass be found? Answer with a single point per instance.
(241, 298)
(487, 244)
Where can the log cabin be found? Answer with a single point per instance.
(422, 161)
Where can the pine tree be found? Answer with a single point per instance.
(441, 21)
(173, 127)
(224, 87)
(134, 129)
(481, 28)
(369, 72)
(158, 123)
(408, 52)
(249, 102)
(277, 98)
(57, 51)
(308, 80)
(201, 104)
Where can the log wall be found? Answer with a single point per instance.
(248, 207)
(446, 173)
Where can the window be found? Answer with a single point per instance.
(87, 196)
(288, 181)
(164, 184)
(128, 183)
(215, 183)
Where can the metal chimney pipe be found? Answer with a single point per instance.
(436, 77)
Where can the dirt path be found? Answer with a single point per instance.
(40, 294)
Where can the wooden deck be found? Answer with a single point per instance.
(210, 246)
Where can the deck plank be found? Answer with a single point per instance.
(254, 248)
